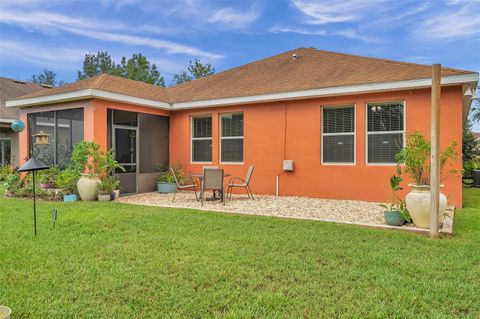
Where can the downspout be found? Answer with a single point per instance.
(277, 178)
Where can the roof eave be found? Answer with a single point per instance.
(303, 94)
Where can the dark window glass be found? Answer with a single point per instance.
(42, 122)
(124, 118)
(231, 137)
(338, 134)
(202, 150)
(382, 148)
(126, 146)
(232, 124)
(202, 139)
(202, 127)
(338, 149)
(69, 133)
(5, 151)
(385, 117)
(338, 119)
(232, 150)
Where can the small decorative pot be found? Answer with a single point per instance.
(418, 205)
(103, 197)
(70, 198)
(87, 187)
(112, 196)
(394, 218)
(117, 193)
(166, 188)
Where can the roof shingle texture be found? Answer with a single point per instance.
(312, 69)
(11, 89)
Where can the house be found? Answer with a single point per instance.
(10, 89)
(340, 118)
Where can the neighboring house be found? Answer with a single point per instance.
(341, 118)
(476, 135)
(10, 89)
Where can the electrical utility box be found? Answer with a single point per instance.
(288, 165)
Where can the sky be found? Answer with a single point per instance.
(56, 34)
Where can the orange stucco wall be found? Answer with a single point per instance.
(292, 130)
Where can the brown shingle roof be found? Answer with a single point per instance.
(11, 89)
(312, 69)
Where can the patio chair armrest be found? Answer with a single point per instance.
(233, 179)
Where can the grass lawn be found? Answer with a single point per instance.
(115, 260)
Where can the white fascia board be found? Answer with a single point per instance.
(340, 90)
(7, 120)
(87, 94)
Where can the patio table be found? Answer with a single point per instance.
(201, 176)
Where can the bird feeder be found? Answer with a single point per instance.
(41, 138)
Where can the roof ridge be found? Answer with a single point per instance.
(235, 68)
(385, 60)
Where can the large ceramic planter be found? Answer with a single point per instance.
(165, 188)
(394, 218)
(418, 205)
(87, 187)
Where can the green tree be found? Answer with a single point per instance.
(140, 69)
(95, 64)
(470, 145)
(47, 77)
(195, 70)
(136, 68)
(181, 77)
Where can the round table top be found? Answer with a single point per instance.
(201, 175)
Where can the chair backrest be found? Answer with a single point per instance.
(174, 176)
(210, 167)
(212, 178)
(249, 174)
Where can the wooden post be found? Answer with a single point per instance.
(435, 153)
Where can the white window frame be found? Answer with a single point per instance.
(199, 138)
(231, 138)
(403, 102)
(354, 133)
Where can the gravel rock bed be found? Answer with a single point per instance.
(345, 211)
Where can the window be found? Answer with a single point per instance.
(338, 135)
(65, 128)
(385, 131)
(231, 138)
(201, 139)
(5, 151)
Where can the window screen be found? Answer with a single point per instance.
(338, 134)
(202, 139)
(385, 131)
(231, 139)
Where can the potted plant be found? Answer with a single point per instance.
(396, 213)
(109, 166)
(105, 189)
(67, 181)
(166, 181)
(116, 187)
(414, 159)
(86, 156)
(48, 177)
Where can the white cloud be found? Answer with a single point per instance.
(333, 11)
(49, 23)
(44, 55)
(234, 19)
(455, 22)
(346, 33)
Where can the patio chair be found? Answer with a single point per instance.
(192, 186)
(241, 183)
(212, 180)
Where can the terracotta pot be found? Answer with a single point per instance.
(87, 187)
(418, 205)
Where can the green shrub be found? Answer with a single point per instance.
(49, 176)
(67, 180)
(5, 172)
